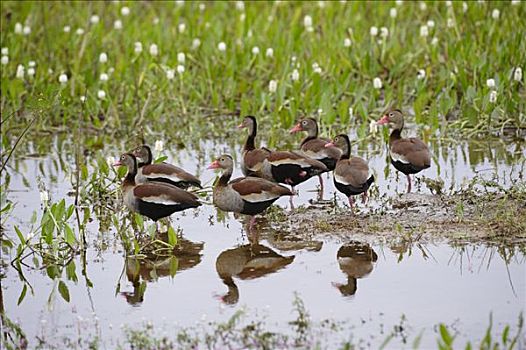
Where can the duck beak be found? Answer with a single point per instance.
(117, 163)
(330, 144)
(215, 165)
(296, 128)
(241, 126)
(383, 120)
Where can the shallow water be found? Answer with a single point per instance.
(370, 286)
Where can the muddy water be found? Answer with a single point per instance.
(370, 285)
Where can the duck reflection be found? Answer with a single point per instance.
(356, 261)
(186, 255)
(247, 262)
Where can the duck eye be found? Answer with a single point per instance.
(304, 122)
(391, 114)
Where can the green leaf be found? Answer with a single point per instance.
(174, 265)
(172, 237)
(20, 236)
(6, 207)
(505, 334)
(69, 235)
(22, 295)
(60, 210)
(161, 159)
(83, 172)
(446, 337)
(71, 273)
(70, 211)
(63, 289)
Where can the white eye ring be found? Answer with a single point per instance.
(391, 114)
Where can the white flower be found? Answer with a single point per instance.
(490, 83)
(493, 96)
(393, 12)
(5, 51)
(424, 31)
(347, 42)
(450, 22)
(307, 21)
(159, 146)
(180, 69)
(103, 77)
(272, 86)
(431, 23)
(269, 52)
(495, 14)
(125, 11)
(295, 75)
(240, 5)
(421, 74)
(170, 74)
(242, 17)
(196, 43)
(5, 60)
(423, 6)
(181, 57)
(31, 71)
(384, 32)
(373, 127)
(449, 3)
(517, 74)
(351, 113)
(31, 64)
(377, 83)
(94, 19)
(316, 68)
(255, 50)
(18, 28)
(156, 20)
(464, 7)
(515, 2)
(202, 7)
(63, 78)
(319, 111)
(373, 31)
(399, 2)
(26, 30)
(67, 29)
(101, 94)
(83, 99)
(154, 50)
(181, 27)
(103, 57)
(117, 24)
(321, 4)
(434, 41)
(137, 47)
(44, 196)
(79, 31)
(221, 46)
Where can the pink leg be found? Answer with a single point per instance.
(320, 197)
(252, 235)
(251, 224)
(351, 203)
(364, 197)
(408, 183)
(290, 198)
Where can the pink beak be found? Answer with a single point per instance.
(215, 165)
(241, 126)
(330, 144)
(383, 120)
(118, 163)
(296, 128)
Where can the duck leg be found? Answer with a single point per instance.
(320, 197)
(364, 197)
(351, 203)
(290, 197)
(408, 183)
(253, 236)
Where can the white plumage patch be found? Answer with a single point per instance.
(398, 157)
(171, 177)
(341, 180)
(160, 200)
(259, 197)
(299, 162)
(316, 155)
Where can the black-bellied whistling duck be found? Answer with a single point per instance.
(247, 262)
(244, 195)
(314, 147)
(152, 199)
(290, 168)
(351, 174)
(162, 172)
(356, 260)
(409, 156)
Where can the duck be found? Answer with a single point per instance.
(314, 147)
(247, 262)
(244, 195)
(284, 167)
(408, 155)
(351, 174)
(356, 260)
(154, 200)
(162, 172)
